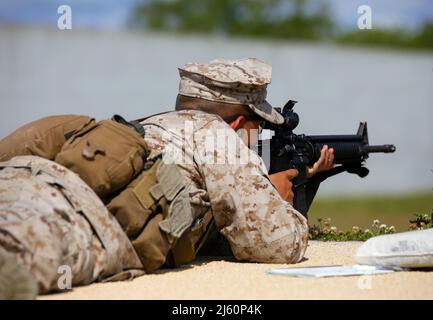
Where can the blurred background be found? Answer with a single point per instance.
(122, 57)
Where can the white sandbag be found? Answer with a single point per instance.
(413, 249)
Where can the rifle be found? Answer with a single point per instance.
(289, 150)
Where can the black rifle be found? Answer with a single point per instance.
(289, 150)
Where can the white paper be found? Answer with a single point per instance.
(330, 271)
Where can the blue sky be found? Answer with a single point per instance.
(113, 14)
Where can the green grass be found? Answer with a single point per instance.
(396, 210)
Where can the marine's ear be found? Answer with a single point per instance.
(237, 123)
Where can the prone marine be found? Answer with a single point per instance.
(112, 200)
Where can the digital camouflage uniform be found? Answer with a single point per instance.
(49, 219)
(259, 225)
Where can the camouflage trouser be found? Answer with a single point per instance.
(54, 224)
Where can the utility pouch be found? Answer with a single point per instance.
(44, 137)
(107, 155)
(155, 212)
(186, 248)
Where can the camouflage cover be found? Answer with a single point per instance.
(231, 81)
(50, 218)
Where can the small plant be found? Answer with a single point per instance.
(325, 231)
(421, 221)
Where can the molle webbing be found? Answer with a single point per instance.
(155, 212)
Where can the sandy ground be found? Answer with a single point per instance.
(224, 279)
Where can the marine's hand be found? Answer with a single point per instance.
(325, 162)
(281, 182)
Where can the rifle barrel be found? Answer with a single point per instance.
(385, 148)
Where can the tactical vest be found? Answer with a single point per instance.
(149, 199)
